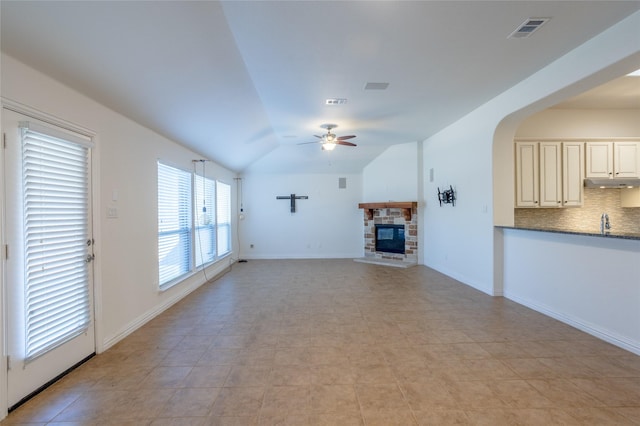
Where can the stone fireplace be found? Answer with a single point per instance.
(391, 213)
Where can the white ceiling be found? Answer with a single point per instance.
(244, 82)
(621, 93)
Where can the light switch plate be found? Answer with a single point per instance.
(112, 212)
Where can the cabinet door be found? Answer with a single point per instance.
(550, 174)
(626, 159)
(600, 159)
(572, 173)
(526, 174)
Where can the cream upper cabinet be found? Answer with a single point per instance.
(613, 159)
(549, 174)
(527, 174)
(572, 173)
(626, 159)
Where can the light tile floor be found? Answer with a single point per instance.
(335, 342)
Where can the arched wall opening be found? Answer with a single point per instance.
(476, 154)
(562, 275)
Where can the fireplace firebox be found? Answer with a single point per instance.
(390, 238)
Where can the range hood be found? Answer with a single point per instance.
(611, 183)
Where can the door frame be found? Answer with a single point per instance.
(96, 226)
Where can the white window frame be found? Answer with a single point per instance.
(223, 218)
(197, 222)
(179, 226)
(204, 211)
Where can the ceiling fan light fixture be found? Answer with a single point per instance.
(329, 146)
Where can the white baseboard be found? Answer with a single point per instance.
(216, 270)
(302, 256)
(606, 335)
(463, 280)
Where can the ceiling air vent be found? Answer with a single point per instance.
(376, 86)
(335, 101)
(528, 27)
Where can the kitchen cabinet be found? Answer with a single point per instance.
(527, 174)
(572, 174)
(613, 159)
(549, 174)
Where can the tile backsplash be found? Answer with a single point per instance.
(585, 218)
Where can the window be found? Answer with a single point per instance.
(56, 231)
(223, 201)
(205, 220)
(174, 223)
(194, 222)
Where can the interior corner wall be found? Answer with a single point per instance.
(326, 225)
(392, 176)
(125, 159)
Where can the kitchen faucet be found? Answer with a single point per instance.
(604, 223)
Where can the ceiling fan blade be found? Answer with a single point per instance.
(306, 143)
(319, 137)
(345, 143)
(342, 138)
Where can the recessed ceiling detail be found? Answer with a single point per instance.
(376, 86)
(335, 101)
(528, 27)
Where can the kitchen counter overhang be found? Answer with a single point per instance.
(622, 235)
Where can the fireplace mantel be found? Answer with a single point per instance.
(406, 206)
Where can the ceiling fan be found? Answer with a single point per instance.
(330, 140)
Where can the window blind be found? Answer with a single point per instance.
(174, 223)
(56, 229)
(205, 239)
(223, 203)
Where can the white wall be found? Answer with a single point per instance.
(327, 225)
(124, 162)
(392, 176)
(581, 123)
(458, 239)
(588, 282)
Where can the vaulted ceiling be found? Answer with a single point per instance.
(244, 82)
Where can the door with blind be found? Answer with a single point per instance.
(49, 252)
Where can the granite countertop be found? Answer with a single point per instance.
(623, 235)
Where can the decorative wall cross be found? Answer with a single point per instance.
(293, 198)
